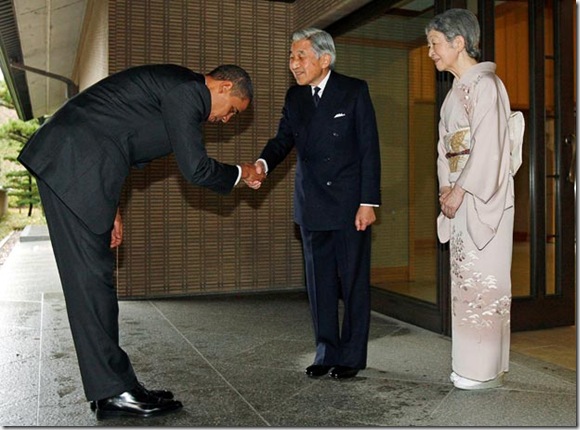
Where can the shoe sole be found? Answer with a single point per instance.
(104, 414)
(316, 376)
(342, 376)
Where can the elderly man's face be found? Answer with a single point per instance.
(305, 66)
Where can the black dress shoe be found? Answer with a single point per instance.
(138, 402)
(343, 372)
(317, 370)
(163, 394)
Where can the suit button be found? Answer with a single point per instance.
(327, 159)
(329, 183)
(335, 134)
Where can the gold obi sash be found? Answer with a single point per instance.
(457, 145)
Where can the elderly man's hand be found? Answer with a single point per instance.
(365, 217)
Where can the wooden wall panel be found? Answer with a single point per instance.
(182, 240)
(321, 13)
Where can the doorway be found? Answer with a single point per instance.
(384, 43)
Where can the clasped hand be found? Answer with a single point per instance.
(450, 198)
(253, 174)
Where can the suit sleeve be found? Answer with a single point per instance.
(368, 148)
(183, 111)
(280, 146)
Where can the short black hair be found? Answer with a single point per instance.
(243, 87)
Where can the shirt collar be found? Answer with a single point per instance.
(321, 85)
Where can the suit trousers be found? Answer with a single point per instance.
(337, 265)
(86, 264)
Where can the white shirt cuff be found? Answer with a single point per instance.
(239, 175)
(265, 164)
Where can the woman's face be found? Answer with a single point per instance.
(443, 53)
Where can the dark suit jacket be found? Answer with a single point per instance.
(86, 149)
(338, 163)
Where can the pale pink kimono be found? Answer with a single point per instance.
(474, 118)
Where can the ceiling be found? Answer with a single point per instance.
(41, 36)
(39, 40)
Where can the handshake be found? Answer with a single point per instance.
(253, 174)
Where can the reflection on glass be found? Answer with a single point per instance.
(511, 57)
(390, 54)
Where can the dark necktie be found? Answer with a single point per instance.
(316, 97)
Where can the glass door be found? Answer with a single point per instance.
(533, 44)
(384, 43)
(541, 37)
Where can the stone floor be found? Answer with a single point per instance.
(239, 361)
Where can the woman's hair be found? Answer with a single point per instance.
(458, 22)
(321, 41)
(239, 77)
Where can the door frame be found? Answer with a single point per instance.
(540, 310)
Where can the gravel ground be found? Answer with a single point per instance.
(8, 245)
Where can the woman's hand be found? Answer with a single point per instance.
(450, 199)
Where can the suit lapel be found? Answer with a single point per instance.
(330, 101)
(331, 97)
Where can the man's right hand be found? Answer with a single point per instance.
(253, 174)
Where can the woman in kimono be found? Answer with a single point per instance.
(476, 194)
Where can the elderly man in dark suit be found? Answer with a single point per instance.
(81, 157)
(330, 120)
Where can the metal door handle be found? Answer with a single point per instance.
(570, 140)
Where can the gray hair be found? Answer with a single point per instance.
(321, 41)
(458, 22)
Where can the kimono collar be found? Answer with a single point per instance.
(474, 72)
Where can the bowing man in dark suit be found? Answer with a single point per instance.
(81, 157)
(330, 120)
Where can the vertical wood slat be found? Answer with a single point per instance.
(180, 239)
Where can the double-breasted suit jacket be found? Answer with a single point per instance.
(338, 169)
(338, 159)
(85, 151)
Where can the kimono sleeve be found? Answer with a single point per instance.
(482, 175)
